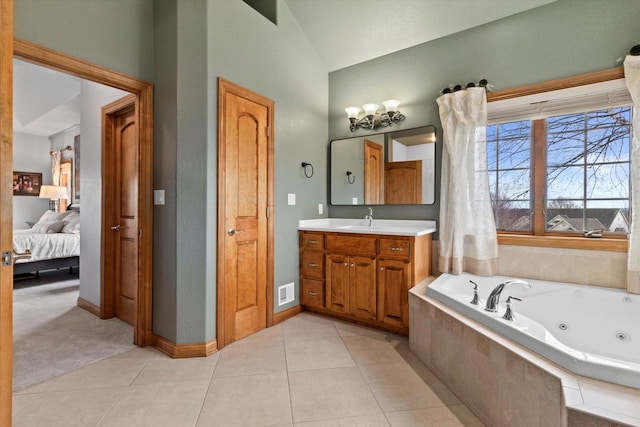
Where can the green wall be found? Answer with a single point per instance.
(561, 39)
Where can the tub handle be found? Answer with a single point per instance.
(475, 300)
(508, 315)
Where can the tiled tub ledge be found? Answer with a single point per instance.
(504, 383)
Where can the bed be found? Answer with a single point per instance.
(52, 243)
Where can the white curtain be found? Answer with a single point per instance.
(56, 157)
(468, 240)
(632, 76)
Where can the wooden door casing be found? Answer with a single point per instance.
(245, 195)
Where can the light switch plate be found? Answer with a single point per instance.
(158, 197)
(291, 199)
(320, 208)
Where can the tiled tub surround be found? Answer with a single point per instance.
(506, 384)
(584, 267)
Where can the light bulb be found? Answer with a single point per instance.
(370, 109)
(352, 112)
(391, 105)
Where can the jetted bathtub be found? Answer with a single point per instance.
(592, 331)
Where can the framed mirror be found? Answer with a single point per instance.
(393, 168)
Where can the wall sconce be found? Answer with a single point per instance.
(54, 193)
(372, 119)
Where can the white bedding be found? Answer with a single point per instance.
(46, 246)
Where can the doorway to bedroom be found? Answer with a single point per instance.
(59, 134)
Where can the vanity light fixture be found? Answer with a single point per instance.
(372, 119)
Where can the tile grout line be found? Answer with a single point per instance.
(206, 393)
(286, 369)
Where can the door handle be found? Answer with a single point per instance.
(116, 227)
(232, 231)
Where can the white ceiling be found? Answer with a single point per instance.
(45, 102)
(347, 32)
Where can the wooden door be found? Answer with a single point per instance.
(337, 292)
(403, 182)
(6, 207)
(373, 171)
(393, 292)
(121, 189)
(245, 165)
(362, 278)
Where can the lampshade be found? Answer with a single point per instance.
(370, 109)
(352, 112)
(53, 192)
(391, 105)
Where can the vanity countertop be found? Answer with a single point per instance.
(361, 226)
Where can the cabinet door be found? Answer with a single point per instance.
(337, 285)
(363, 301)
(393, 292)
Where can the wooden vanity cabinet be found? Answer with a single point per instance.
(365, 278)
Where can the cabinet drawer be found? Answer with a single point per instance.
(396, 248)
(352, 245)
(312, 264)
(312, 294)
(312, 241)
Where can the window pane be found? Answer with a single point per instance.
(565, 215)
(491, 132)
(514, 129)
(514, 153)
(611, 117)
(570, 122)
(610, 181)
(565, 149)
(608, 145)
(513, 215)
(565, 182)
(492, 155)
(612, 214)
(514, 184)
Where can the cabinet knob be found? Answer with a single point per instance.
(381, 268)
(346, 264)
(351, 265)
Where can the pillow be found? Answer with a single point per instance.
(54, 216)
(71, 224)
(48, 227)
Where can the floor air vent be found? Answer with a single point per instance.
(285, 294)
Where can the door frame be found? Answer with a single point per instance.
(225, 87)
(143, 92)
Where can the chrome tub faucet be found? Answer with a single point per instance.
(494, 297)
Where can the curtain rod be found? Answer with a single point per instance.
(67, 148)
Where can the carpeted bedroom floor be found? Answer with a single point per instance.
(52, 336)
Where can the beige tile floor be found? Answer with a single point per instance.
(307, 371)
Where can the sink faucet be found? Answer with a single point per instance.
(494, 297)
(369, 216)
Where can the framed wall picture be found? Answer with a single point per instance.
(26, 183)
(76, 169)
